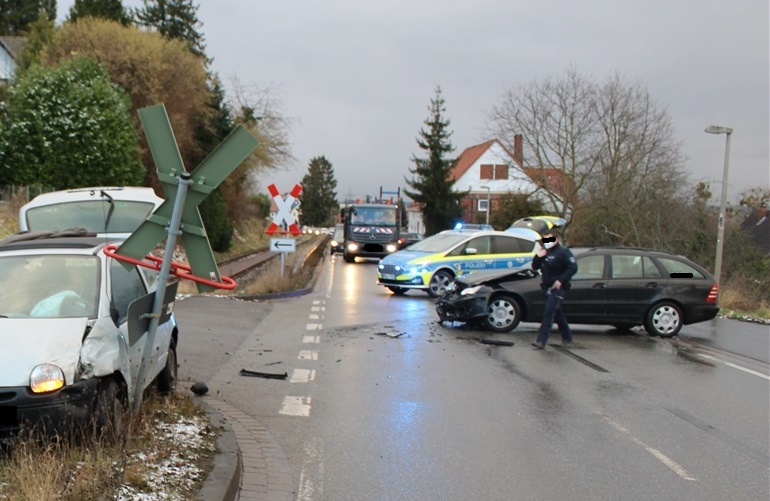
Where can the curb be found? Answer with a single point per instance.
(224, 480)
(284, 295)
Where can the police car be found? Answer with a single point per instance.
(433, 263)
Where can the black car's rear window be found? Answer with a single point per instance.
(676, 266)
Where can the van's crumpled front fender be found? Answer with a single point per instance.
(104, 351)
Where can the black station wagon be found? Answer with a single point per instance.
(619, 286)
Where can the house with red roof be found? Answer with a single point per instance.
(487, 171)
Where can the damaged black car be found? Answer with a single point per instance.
(619, 286)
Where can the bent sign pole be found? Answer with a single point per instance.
(178, 216)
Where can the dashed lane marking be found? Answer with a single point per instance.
(314, 327)
(308, 355)
(296, 406)
(673, 465)
(311, 339)
(302, 376)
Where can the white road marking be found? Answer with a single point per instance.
(314, 327)
(735, 366)
(317, 308)
(302, 376)
(655, 452)
(313, 316)
(295, 406)
(308, 355)
(311, 339)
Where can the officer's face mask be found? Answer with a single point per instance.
(549, 242)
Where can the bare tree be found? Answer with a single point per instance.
(621, 170)
(557, 119)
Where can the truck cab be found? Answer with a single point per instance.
(371, 230)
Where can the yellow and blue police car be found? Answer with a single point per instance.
(433, 263)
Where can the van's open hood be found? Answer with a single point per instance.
(27, 342)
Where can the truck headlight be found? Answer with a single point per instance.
(45, 378)
(391, 247)
(352, 247)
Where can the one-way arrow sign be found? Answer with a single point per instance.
(283, 245)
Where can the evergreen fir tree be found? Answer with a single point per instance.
(104, 9)
(174, 19)
(319, 200)
(431, 186)
(17, 15)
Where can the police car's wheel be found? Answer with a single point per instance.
(503, 314)
(664, 320)
(398, 291)
(439, 282)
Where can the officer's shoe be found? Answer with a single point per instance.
(538, 345)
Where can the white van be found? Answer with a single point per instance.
(113, 212)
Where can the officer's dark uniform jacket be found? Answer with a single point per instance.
(559, 264)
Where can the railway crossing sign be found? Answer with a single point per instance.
(284, 215)
(202, 181)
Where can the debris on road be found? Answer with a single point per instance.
(266, 375)
(495, 342)
(199, 388)
(392, 336)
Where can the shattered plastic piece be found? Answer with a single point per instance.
(199, 388)
(266, 375)
(495, 342)
(394, 336)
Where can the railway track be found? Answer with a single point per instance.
(245, 265)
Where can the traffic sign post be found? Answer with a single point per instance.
(283, 222)
(178, 216)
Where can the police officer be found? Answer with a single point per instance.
(557, 265)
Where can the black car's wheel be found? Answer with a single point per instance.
(398, 291)
(664, 320)
(439, 282)
(110, 412)
(503, 314)
(166, 381)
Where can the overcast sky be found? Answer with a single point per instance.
(358, 76)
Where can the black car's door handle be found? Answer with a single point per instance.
(600, 286)
(651, 284)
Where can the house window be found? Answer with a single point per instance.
(483, 205)
(489, 171)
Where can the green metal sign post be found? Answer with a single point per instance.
(178, 216)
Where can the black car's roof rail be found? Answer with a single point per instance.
(624, 247)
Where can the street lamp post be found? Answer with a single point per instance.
(489, 204)
(714, 129)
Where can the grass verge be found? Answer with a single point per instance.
(169, 448)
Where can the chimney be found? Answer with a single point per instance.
(518, 149)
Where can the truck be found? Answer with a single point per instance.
(371, 230)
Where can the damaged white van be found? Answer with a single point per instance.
(72, 332)
(114, 211)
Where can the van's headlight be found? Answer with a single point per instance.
(45, 378)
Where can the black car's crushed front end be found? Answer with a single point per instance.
(467, 298)
(454, 305)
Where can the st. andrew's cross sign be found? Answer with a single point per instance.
(203, 180)
(178, 215)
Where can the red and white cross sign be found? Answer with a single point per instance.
(284, 210)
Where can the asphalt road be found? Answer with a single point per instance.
(381, 402)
